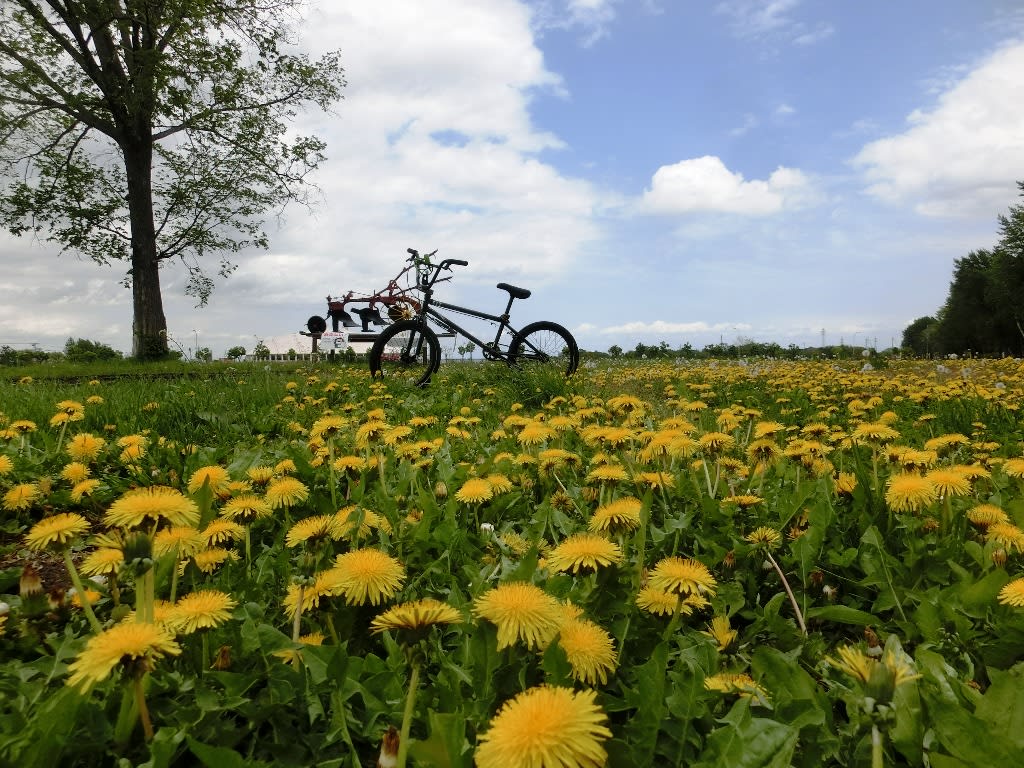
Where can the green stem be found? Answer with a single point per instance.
(673, 625)
(332, 630)
(410, 705)
(332, 479)
(877, 754)
(792, 599)
(83, 598)
(174, 581)
(140, 701)
(145, 597)
(297, 621)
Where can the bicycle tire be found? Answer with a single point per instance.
(405, 351)
(545, 343)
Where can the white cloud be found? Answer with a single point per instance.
(705, 184)
(592, 17)
(749, 123)
(784, 110)
(672, 328)
(757, 19)
(963, 156)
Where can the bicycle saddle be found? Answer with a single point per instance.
(516, 293)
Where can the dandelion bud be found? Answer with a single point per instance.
(486, 528)
(441, 489)
(138, 552)
(729, 561)
(817, 577)
(30, 583)
(388, 748)
(829, 591)
(930, 524)
(999, 557)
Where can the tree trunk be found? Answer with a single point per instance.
(149, 326)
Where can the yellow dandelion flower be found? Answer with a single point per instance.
(56, 531)
(327, 427)
(520, 611)
(909, 492)
(682, 576)
(366, 575)
(6, 465)
(722, 632)
(350, 464)
(589, 650)
(742, 684)
(845, 483)
(475, 490)
(715, 442)
(245, 508)
(179, 540)
(615, 517)
(215, 475)
(765, 429)
(985, 515)
(499, 483)
(260, 475)
(102, 562)
(874, 434)
(764, 537)
(286, 491)
(1006, 535)
(312, 594)
(75, 472)
(949, 481)
(879, 675)
(21, 497)
(221, 531)
(22, 426)
(312, 529)
(546, 726)
(210, 560)
(584, 552)
(122, 643)
(83, 489)
(607, 473)
(415, 617)
(200, 610)
(743, 500)
(154, 504)
(1013, 593)
(1014, 468)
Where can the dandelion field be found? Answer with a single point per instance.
(703, 564)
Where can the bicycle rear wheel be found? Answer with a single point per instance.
(406, 351)
(545, 344)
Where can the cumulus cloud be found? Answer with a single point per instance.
(963, 156)
(433, 146)
(705, 184)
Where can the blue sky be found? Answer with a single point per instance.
(654, 170)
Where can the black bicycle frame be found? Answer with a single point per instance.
(452, 327)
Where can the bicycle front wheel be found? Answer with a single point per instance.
(406, 351)
(545, 344)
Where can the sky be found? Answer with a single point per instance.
(687, 171)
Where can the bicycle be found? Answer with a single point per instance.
(410, 349)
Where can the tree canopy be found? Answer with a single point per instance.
(153, 130)
(984, 311)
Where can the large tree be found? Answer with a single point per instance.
(153, 130)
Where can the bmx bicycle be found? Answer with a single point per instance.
(410, 350)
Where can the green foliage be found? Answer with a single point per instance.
(155, 132)
(920, 585)
(983, 313)
(85, 351)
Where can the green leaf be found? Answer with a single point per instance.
(1002, 706)
(749, 742)
(52, 727)
(446, 747)
(647, 695)
(218, 757)
(843, 614)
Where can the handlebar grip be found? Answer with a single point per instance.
(412, 251)
(458, 262)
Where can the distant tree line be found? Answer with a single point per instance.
(75, 351)
(984, 311)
